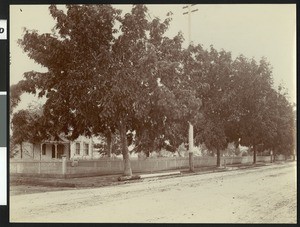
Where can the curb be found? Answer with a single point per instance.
(126, 179)
(43, 183)
(143, 176)
(150, 175)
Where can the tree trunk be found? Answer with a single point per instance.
(109, 144)
(254, 154)
(125, 153)
(218, 158)
(32, 151)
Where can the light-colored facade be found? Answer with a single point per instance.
(81, 148)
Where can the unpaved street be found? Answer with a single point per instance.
(258, 195)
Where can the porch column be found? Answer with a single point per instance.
(69, 151)
(65, 152)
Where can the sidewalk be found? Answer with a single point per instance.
(109, 180)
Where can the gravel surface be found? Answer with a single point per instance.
(265, 194)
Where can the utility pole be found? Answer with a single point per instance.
(191, 127)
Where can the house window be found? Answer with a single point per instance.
(44, 149)
(53, 151)
(86, 149)
(77, 148)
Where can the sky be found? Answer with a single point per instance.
(255, 31)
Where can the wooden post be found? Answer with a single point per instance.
(39, 170)
(191, 146)
(191, 129)
(64, 165)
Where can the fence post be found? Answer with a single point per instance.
(64, 165)
(39, 169)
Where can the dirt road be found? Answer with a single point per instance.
(259, 195)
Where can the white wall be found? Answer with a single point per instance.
(33, 152)
(82, 140)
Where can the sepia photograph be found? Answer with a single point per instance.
(152, 113)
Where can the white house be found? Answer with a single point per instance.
(53, 149)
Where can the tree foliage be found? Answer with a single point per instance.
(110, 74)
(100, 81)
(28, 126)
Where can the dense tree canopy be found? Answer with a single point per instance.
(110, 74)
(98, 80)
(28, 126)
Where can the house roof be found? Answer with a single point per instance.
(56, 140)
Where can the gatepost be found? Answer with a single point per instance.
(39, 167)
(64, 165)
